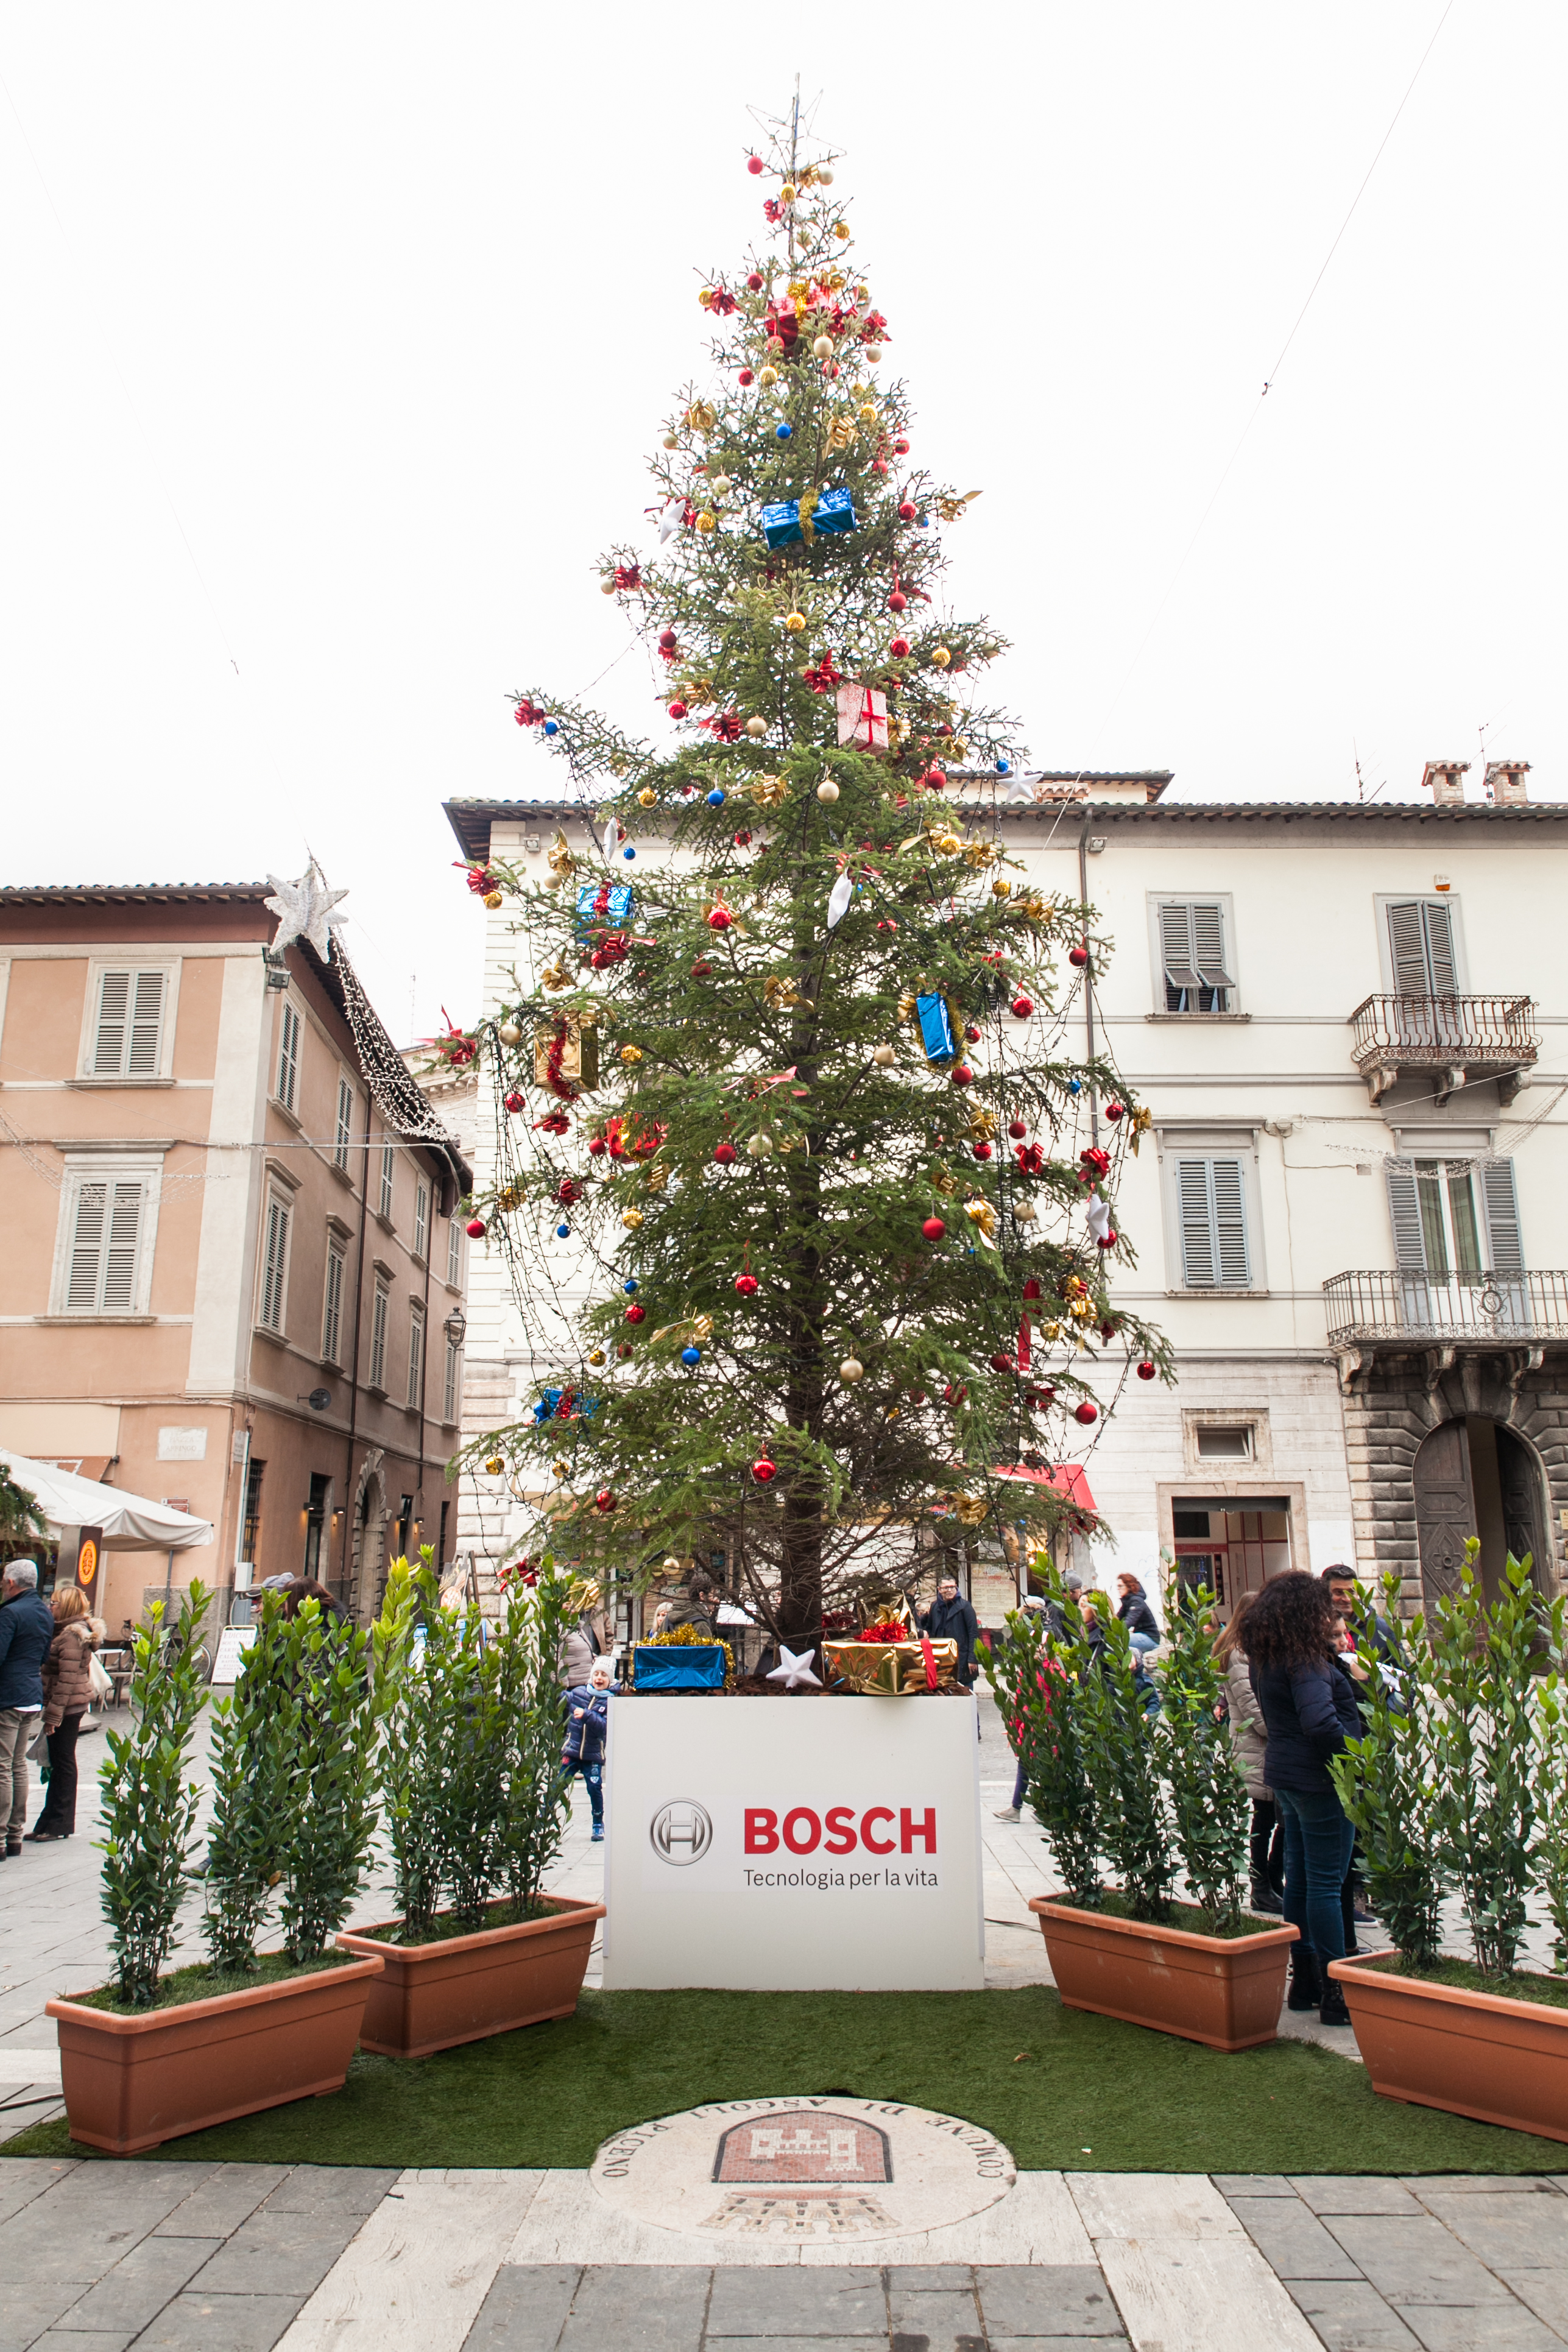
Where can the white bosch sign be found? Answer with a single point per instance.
(792, 1844)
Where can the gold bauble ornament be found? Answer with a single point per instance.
(1000, 890)
(509, 1034)
(705, 297)
(873, 353)
(960, 749)
(670, 442)
(827, 791)
(941, 657)
(631, 1218)
(631, 1053)
(884, 1056)
(850, 1371)
(825, 179)
(786, 194)
(561, 1468)
(492, 900)
(607, 587)
(722, 485)
(759, 1145)
(835, 277)
(647, 797)
(597, 1357)
(798, 289)
(841, 230)
(495, 1465)
(870, 413)
(767, 375)
(757, 727)
(795, 623)
(707, 522)
(671, 1566)
(821, 348)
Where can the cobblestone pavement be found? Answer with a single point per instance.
(102, 2256)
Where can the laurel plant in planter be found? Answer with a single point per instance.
(153, 2056)
(1159, 1797)
(1456, 1788)
(474, 1793)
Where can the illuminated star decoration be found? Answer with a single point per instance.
(304, 911)
(838, 899)
(793, 1670)
(1098, 1219)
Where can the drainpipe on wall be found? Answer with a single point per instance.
(353, 1368)
(1088, 981)
(436, 1187)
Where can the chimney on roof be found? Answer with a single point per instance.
(1446, 779)
(1505, 783)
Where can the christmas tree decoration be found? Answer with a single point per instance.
(936, 1027)
(793, 1670)
(756, 726)
(838, 899)
(725, 1154)
(1113, 1111)
(514, 1102)
(827, 791)
(759, 1145)
(746, 1286)
(476, 1229)
(691, 1357)
(1077, 955)
(495, 1465)
(934, 1229)
(850, 1371)
(863, 716)
(884, 1056)
(1146, 1371)
(1021, 1007)
(899, 648)
(764, 1470)
(632, 1219)
(636, 1312)
(720, 919)
(509, 1034)
(715, 800)
(795, 623)
(1086, 1413)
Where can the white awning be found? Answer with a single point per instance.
(130, 1522)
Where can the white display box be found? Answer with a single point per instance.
(793, 1846)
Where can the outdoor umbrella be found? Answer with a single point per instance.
(130, 1522)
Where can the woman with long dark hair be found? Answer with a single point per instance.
(1309, 1712)
(1249, 1743)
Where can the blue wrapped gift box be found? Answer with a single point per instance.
(781, 524)
(675, 1666)
(549, 1405)
(617, 897)
(834, 511)
(936, 1029)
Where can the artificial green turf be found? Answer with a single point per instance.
(1063, 2089)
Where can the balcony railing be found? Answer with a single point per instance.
(1465, 1037)
(1427, 1309)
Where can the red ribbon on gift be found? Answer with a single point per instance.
(872, 719)
(1023, 1343)
(929, 1654)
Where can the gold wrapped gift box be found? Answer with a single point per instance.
(892, 1669)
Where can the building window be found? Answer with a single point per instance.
(274, 1262)
(332, 1305)
(421, 1220)
(128, 1034)
(1455, 1219)
(455, 1251)
(405, 1524)
(445, 1514)
(250, 1540)
(450, 1387)
(415, 1356)
(316, 1521)
(378, 1315)
(1193, 965)
(1217, 1445)
(1421, 947)
(108, 1221)
(289, 1056)
(388, 1162)
(345, 1124)
(1211, 1208)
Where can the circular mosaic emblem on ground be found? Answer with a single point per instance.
(820, 2168)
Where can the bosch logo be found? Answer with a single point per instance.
(682, 1832)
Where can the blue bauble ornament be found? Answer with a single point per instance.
(715, 798)
(1075, 1086)
(563, 1233)
(784, 432)
(628, 851)
(552, 727)
(1004, 767)
(630, 1284)
(691, 1356)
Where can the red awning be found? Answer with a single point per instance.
(1068, 1478)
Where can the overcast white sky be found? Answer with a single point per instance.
(386, 307)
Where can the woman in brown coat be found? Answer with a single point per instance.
(67, 1695)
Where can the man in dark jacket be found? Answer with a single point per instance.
(951, 1618)
(27, 1629)
(698, 1609)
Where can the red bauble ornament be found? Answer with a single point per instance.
(1107, 1240)
(1043, 1399)
(1078, 956)
(755, 281)
(667, 641)
(744, 840)
(1022, 1006)
(598, 1147)
(897, 601)
(725, 1154)
(1001, 1363)
(700, 971)
(764, 1470)
(1032, 1288)
(719, 919)
(901, 448)
(879, 464)
(603, 1500)
(678, 709)
(1086, 1413)
(636, 1312)
(514, 1102)
(964, 1076)
(972, 1035)
(906, 510)
(1113, 1111)
(746, 1286)
(982, 1151)
(934, 1229)
(476, 1229)
(899, 648)
(1145, 1369)
(754, 165)
(1015, 1127)
(745, 377)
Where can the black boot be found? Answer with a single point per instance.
(1264, 1899)
(1332, 2010)
(1306, 1990)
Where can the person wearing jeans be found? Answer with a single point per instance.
(67, 1695)
(587, 1724)
(1308, 1711)
(26, 1629)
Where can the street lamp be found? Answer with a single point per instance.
(456, 1327)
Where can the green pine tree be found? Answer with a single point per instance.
(812, 1233)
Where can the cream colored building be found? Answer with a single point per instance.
(231, 1236)
(1344, 1020)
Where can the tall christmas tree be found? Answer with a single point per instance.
(795, 1088)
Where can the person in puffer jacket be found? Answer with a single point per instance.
(587, 1726)
(67, 1695)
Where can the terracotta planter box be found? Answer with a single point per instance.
(1474, 2054)
(132, 2083)
(432, 1996)
(1224, 1990)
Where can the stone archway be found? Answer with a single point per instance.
(1477, 1477)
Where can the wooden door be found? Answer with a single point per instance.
(1444, 1510)
(1523, 1519)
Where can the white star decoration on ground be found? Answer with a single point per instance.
(793, 1670)
(304, 910)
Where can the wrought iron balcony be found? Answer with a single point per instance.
(1403, 1305)
(1463, 1037)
